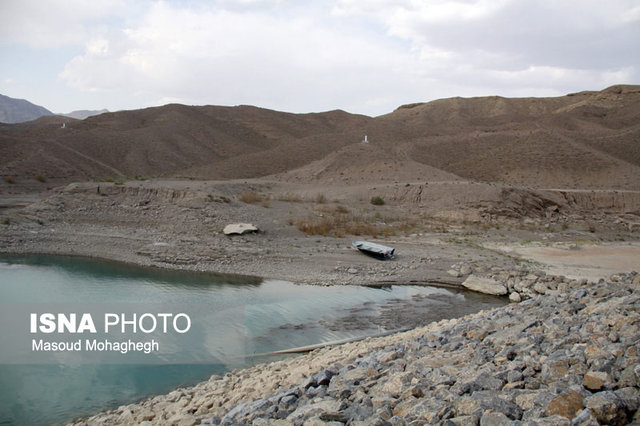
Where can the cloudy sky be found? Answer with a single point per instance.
(363, 56)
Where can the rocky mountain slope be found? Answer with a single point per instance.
(582, 140)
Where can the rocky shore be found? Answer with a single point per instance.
(569, 356)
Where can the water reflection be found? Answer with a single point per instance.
(233, 319)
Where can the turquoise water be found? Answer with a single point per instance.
(234, 320)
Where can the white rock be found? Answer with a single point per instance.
(484, 285)
(239, 228)
(515, 297)
(453, 273)
(540, 288)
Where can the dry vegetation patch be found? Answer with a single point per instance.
(251, 197)
(290, 197)
(339, 221)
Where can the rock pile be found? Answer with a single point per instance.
(569, 356)
(519, 283)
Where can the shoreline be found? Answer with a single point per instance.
(476, 368)
(130, 263)
(440, 283)
(326, 260)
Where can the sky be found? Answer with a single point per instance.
(361, 56)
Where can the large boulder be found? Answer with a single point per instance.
(485, 285)
(239, 229)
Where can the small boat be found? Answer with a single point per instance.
(373, 249)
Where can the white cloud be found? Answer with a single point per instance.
(221, 56)
(55, 23)
(504, 46)
(547, 32)
(310, 55)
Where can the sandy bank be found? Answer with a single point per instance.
(592, 262)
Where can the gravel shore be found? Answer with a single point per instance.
(570, 356)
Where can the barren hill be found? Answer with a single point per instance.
(204, 142)
(582, 140)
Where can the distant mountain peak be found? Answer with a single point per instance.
(19, 110)
(84, 113)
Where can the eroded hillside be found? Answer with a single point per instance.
(582, 140)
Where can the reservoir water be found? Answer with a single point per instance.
(233, 322)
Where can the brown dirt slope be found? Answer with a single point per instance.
(582, 140)
(359, 163)
(206, 142)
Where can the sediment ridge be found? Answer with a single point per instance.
(568, 354)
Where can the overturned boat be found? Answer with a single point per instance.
(373, 249)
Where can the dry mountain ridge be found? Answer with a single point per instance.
(19, 110)
(582, 140)
(205, 142)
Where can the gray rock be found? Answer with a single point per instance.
(629, 377)
(288, 400)
(397, 421)
(585, 418)
(309, 382)
(514, 376)
(318, 421)
(432, 410)
(316, 391)
(493, 418)
(244, 410)
(631, 398)
(358, 412)
(552, 421)
(484, 285)
(608, 408)
(314, 409)
(340, 389)
(554, 370)
(462, 421)
(490, 400)
(375, 421)
(485, 381)
(323, 377)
